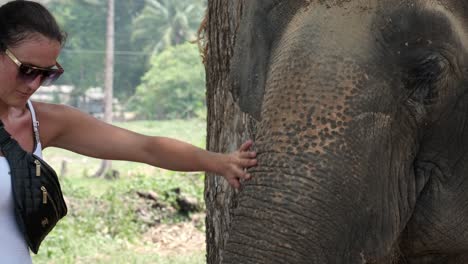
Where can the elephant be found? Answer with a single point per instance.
(361, 132)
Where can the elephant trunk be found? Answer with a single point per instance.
(335, 181)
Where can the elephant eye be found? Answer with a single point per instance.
(424, 75)
(429, 69)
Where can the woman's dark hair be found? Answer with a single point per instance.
(19, 19)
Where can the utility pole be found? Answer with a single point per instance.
(106, 165)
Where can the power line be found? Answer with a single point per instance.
(116, 52)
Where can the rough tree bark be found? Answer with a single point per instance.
(228, 127)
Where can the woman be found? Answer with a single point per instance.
(30, 43)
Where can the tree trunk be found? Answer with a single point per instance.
(108, 79)
(228, 127)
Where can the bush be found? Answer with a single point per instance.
(174, 87)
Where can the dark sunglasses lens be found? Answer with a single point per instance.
(28, 73)
(50, 76)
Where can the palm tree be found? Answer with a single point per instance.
(165, 23)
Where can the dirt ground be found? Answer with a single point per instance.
(176, 239)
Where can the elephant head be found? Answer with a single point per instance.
(362, 134)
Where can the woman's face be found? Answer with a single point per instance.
(36, 50)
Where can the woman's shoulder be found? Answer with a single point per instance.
(42, 106)
(55, 119)
(46, 111)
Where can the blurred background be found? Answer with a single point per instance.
(136, 64)
(157, 67)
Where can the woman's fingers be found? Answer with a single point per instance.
(235, 176)
(246, 146)
(234, 182)
(246, 158)
(241, 174)
(243, 159)
(245, 175)
(247, 163)
(247, 154)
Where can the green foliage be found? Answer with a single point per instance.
(84, 53)
(132, 63)
(142, 28)
(85, 24)
(164, 23)
(174, 87)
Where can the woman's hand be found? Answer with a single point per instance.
(236, 162)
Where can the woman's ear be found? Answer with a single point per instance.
(251, 56)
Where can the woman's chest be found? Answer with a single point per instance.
(22, 131)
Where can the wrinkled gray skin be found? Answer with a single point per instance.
(362, 135)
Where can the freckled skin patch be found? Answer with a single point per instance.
(296, 110)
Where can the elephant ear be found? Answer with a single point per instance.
(250, 59)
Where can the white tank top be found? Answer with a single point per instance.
(13, 248)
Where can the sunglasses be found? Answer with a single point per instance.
(29, 73)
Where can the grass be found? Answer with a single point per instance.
(102, 225)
